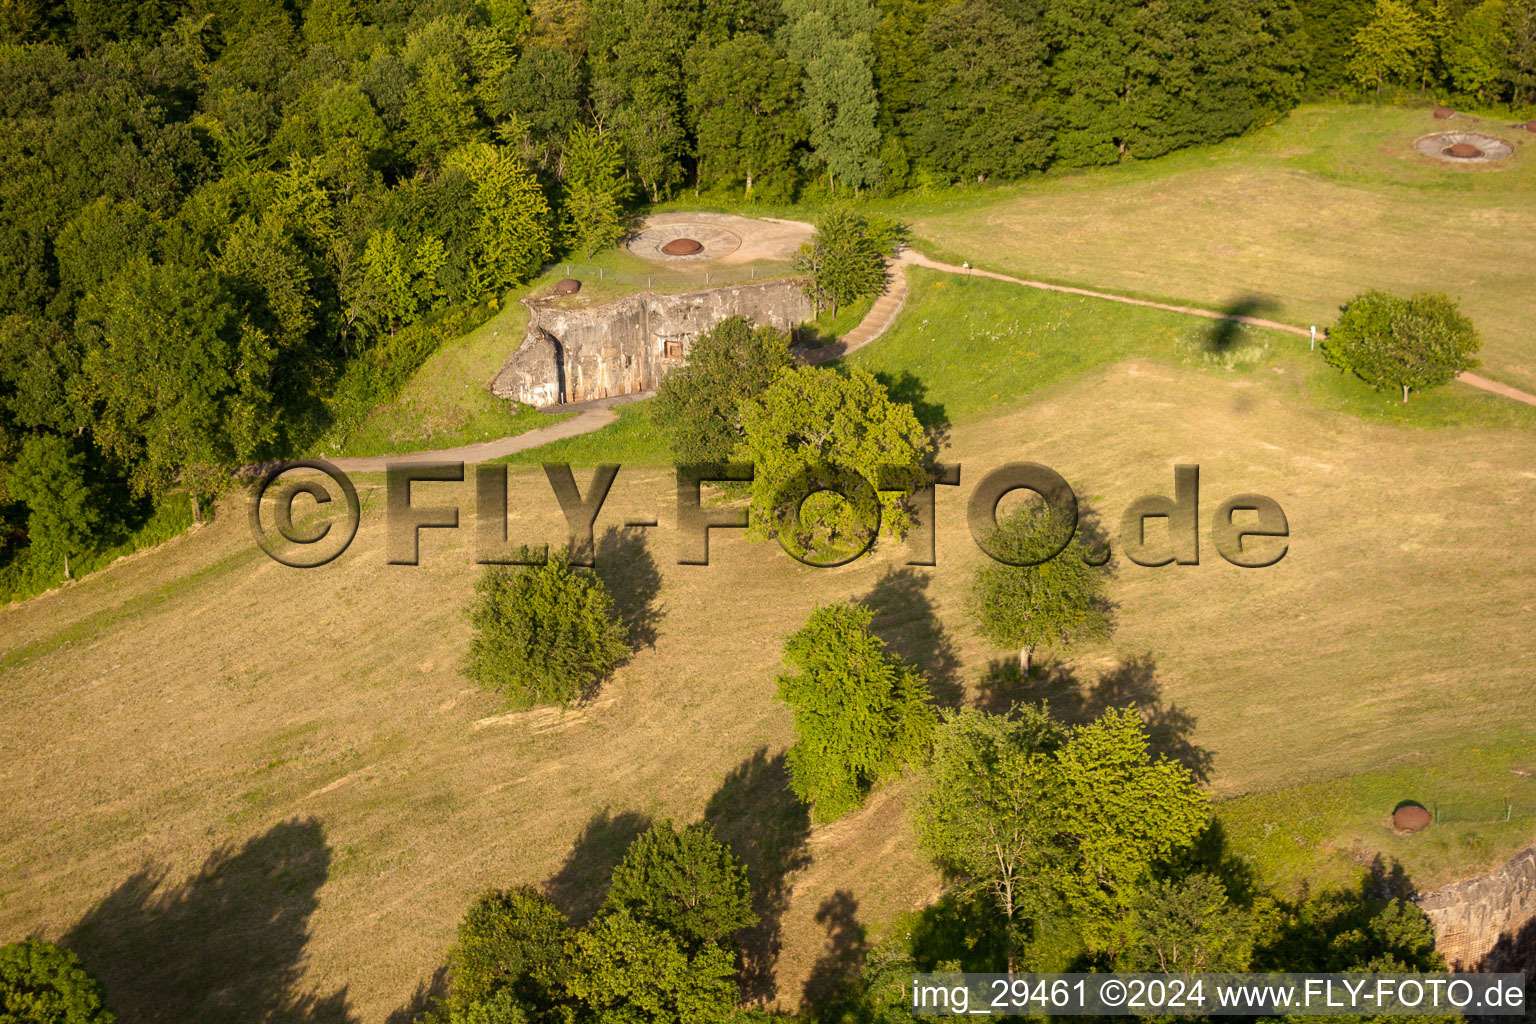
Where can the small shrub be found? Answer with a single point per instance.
(543, 633)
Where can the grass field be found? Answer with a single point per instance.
(244, 792)
(198, 735)
(1287, 223)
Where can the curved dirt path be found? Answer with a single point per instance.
(892, 299)
(913, 258)
(590, 416)
(595, 415)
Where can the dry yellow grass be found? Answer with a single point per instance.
(1288, 224)
(198, 698)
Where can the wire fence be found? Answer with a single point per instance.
(1482, 811)
(683, 278)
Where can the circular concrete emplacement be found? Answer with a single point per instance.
(1463, 147)
(684, 241)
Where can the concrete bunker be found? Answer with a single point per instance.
(626, 347)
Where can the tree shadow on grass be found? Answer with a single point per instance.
(1076, 701)
(225, 946)
(581, 884)
(627, 568)
(904, 617)
(1223, 335)
(843, 954)
(428, 995)
(908, 388)
(766, 827)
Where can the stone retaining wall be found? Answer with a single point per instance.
(1488, 923)
(575, 355)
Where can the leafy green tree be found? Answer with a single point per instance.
(346, 116)
(543, 633)
(592, 211)
(1416, 343)
(1141, 78)
(427, 265)
(1390, 48)
(270, 274)
(1520, 48)
(1117, 812)
(1438, 23)
(396, 284)
(40, 376)
(816, 427)
(1188, 926)
(1475, 52)
(980, 100)
(1330, 27)
(982, 815)
(43, 984)
(699, 403)
(1095, 44)
(684, 881)
(544, 89)
(1055, 603)
(845, 259)
(513, 229)
(860, 714)
(385, 299)
(637, 52)
(511, 947)
(831, 43)
(439, 113)
(631, 972)
(1056, 827)
(95, 245)
(1339, 930)
(491, 52)
(178, 378)
(49, 478)
(900, 58)
(501, 1008)
(745, 101)
(721, 20)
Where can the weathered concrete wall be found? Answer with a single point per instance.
(1488, 923)
(574, 355)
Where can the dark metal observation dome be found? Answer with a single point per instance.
(682, 247)
(1411, 818)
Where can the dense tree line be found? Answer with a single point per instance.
(1480, 48)
(229, 227)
